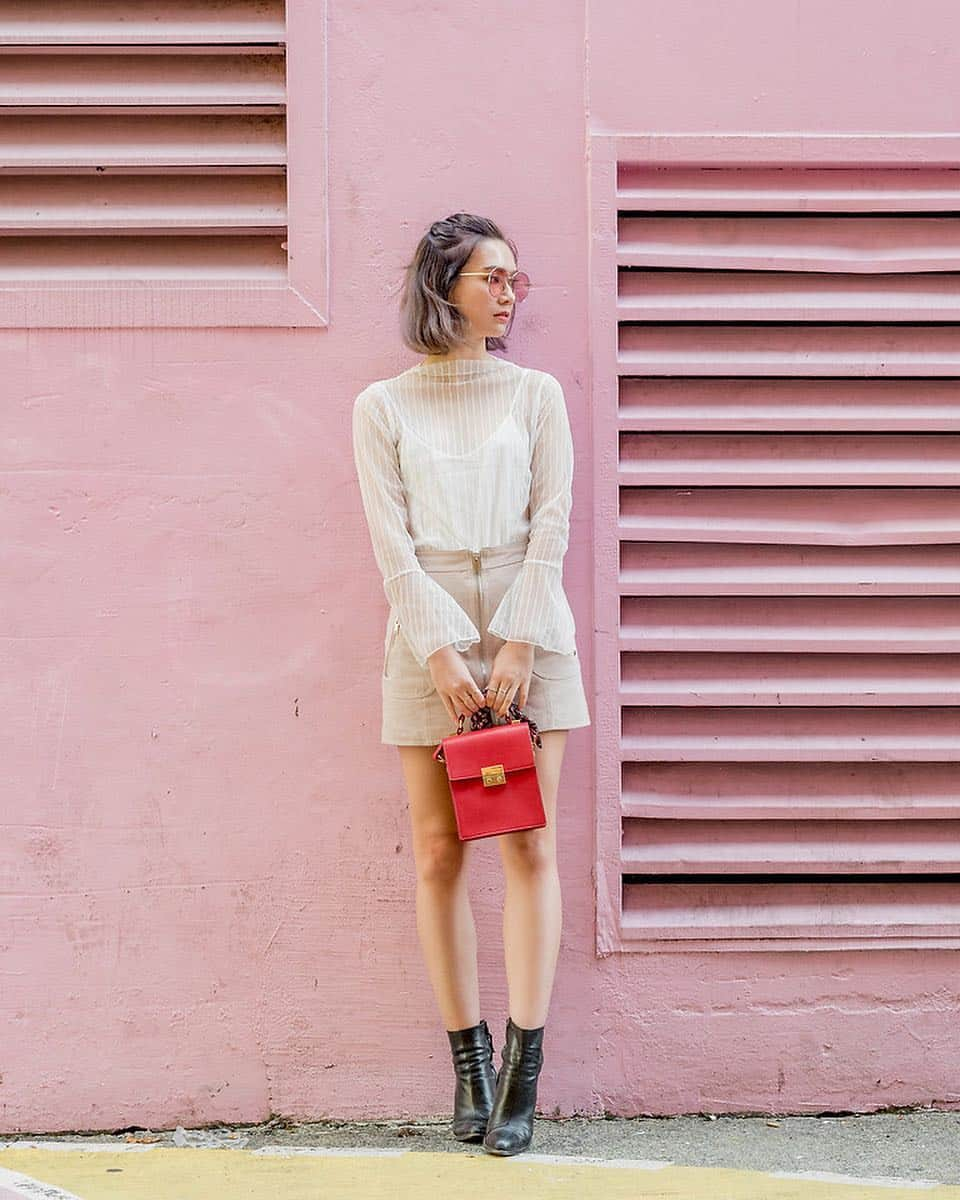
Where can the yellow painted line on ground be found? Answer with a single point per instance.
(173, 1173)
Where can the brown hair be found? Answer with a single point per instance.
(429, 322)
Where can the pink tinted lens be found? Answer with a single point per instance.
(520, 285)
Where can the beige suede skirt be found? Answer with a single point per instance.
(413, 713)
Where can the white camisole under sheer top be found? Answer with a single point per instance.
(461, 455)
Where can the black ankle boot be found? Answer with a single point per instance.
(476, 1080)
(510, 1127)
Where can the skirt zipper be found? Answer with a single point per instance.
(476, 570)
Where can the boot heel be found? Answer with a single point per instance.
(510, 1128)
(472, 1051)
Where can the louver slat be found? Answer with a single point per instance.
(753, 458)
(169, 147)
(695, 791)
(839, 246)
(798, 734)
(883, 625)
(785, 350)
(719, 677)
(750, 296)
(804, 516)
(120, 23)
(240, 203)
(162, 79)
(127, 138)
(762, 405)
(163, 258)
(714, 569)
(789, 525)
(664, 847)
(794, 916)
(768, 190)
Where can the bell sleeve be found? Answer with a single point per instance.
(534, 608)
(429, 615)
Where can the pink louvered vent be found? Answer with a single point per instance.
(142, 145)
(789, 529)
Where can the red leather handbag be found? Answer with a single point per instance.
(493, 778)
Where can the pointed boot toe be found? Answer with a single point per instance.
(506, 1141)
(510, 1128)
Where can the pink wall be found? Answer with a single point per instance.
(807, 66)
(206, 911)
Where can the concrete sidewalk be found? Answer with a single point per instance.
(887, 1155)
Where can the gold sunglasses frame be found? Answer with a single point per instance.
(510, 280)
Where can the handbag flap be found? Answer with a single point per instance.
(509, 745)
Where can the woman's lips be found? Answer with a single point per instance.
(502, 316)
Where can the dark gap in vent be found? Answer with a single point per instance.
(798, 487)
(788, 271)
(693, 379)
(786, 214)
(846, 879)
(794, 325)
(798, 433)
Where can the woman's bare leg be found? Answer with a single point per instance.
(448, 936)
(532, 904)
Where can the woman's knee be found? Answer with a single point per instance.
(528, 852)
(439, 858)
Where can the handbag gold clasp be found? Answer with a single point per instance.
(493, 775)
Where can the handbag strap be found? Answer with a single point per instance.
(483, 719)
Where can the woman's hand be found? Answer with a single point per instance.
(454, 683)
(511, 675)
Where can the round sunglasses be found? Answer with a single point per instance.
(498, 278)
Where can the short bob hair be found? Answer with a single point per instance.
(429, 322)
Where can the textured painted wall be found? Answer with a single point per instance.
(206, 882)
(805, 66)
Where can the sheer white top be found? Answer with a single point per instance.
(460, 455)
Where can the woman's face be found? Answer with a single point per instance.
(472, 296)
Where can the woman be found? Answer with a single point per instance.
(465, 464)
